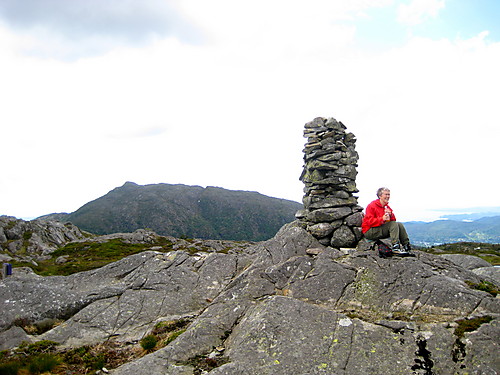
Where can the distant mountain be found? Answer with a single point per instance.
(217, 213)
(474, 214)
(486, 229)
(184, 211)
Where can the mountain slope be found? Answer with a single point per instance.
(486, 229)
(185, 211)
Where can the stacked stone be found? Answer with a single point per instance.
(331, 213)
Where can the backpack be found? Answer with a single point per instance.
(384, 251)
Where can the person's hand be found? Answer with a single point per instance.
(387, 214)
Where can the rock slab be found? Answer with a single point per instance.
(272, 308)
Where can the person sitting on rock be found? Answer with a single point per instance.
(379, 222)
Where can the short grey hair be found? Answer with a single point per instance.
(380, 190)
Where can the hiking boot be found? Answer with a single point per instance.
(407, 247)
(397, 250)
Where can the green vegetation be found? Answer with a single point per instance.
(45, 356)
(172, 336)
(470, 325)
(11, 224)
(84, 256)
(169, 326)
(42, 363)
(168, 331)
(88, 357)
(485, 286)
(27, 235)
(93, 253)
(485, 230)
(190, 211)
(149, 342)
(39, 347)
(9, 368)
(35, 358)
(487, 251)
(110, 354)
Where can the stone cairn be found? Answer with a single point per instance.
(330, 213)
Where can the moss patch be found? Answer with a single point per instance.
(485, 286)
(470, 325)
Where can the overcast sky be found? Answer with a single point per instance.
(216, 93)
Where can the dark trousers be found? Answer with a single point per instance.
(393, 229)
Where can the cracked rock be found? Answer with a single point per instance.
(270, 308)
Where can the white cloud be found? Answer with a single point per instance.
(230, 112)
(73, 29)
(418, 11)
(438, 117)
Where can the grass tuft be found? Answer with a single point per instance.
(148, 343)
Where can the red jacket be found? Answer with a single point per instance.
(374, 216)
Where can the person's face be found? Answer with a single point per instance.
(384, 197)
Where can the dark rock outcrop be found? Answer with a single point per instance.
(271, 308)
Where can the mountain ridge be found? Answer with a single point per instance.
(217, 213)
(184, 211)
